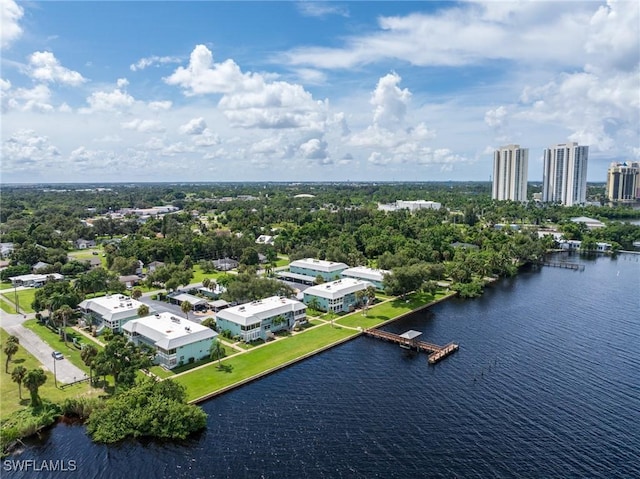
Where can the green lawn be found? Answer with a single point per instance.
(71, 353)
(161, 372)
(24, 296)
(9, 399)
(211, 378)
(7, 307)
(199, 275)
(5, 285)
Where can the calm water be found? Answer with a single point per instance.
(546, 384)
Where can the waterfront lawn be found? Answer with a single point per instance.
(244, 366)
(385, 311)
(71, 353)
(161, 372)
(25, 298)
(9, 399)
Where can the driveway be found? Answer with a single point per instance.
(64, 370)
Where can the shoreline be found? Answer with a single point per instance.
(357, 333)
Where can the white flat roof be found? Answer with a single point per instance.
(194, 300)
(114, 306)
(363, 272)
(338, 288)
(36, 277)
(318, 265)
(167, 331)
(256, 311)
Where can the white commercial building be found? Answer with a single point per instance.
(410, 205)
(176, 341)
(312, 268)
(510, 173)
(337, 296)
(34, 280)
(564, 178)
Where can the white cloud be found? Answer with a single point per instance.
(144, 126)
(160, 105)
(10, 15)
(151, 61)
(112, 101)
(122, 83)
(206, 139)
(249, 100)
(37, 99)
(390, 102)
(45, 67)
(25, 150)
(321, 9)
(314, 149)
(195, 126)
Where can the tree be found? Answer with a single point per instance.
(209, 323)
(216, 351)
(206, 282)
(136, 293)
(88, 355)
(143, 310)
(186, 306)
(64, 313)
(319, 279)
(17, 376)
(10, 348)
(32, 381)
(314, 304)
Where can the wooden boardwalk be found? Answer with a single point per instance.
(436, 353)
(563, 264)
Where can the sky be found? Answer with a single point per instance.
(312, 91)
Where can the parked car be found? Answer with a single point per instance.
(57, 355)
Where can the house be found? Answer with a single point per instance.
(374, 276)
(94, 262)
(225, 264)
(34, 280)
(176, 341)
(154, 265)
(259, 319)
(311, 267)
(213, 293)
(110, 311)
(197, 304)
(129, 280)
(590, 223)
(337, 296)
(84, 244)
(6, 249)
(265, 239)
(39, 266)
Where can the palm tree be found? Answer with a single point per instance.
(33, 380)
(206, 283)
(88, 353)
(17, 376)
(216, 351)
(64, 312)
(10, 348)
(136, 293)
(143, 310)
(186, 306)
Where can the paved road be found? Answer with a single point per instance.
(65, 371)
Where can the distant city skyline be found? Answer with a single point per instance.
(312, 91)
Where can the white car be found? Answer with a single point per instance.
(57, 355)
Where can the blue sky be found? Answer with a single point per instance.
(312, 91)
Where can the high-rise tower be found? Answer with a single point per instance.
(564, 178)
(510, 171)
(623, 181)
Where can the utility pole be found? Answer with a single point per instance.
(55, 378)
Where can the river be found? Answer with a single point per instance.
(546, 384)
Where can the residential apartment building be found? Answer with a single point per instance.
(510, 173)
(564, 178)
(258, 319)
(623, 181)
(311, 267)
(374, 276)
(175, 340)
(337, 296)
(110, 311)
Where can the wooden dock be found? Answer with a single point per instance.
(436, 353)
(563, 264)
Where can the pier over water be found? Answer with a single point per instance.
(408, 340)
